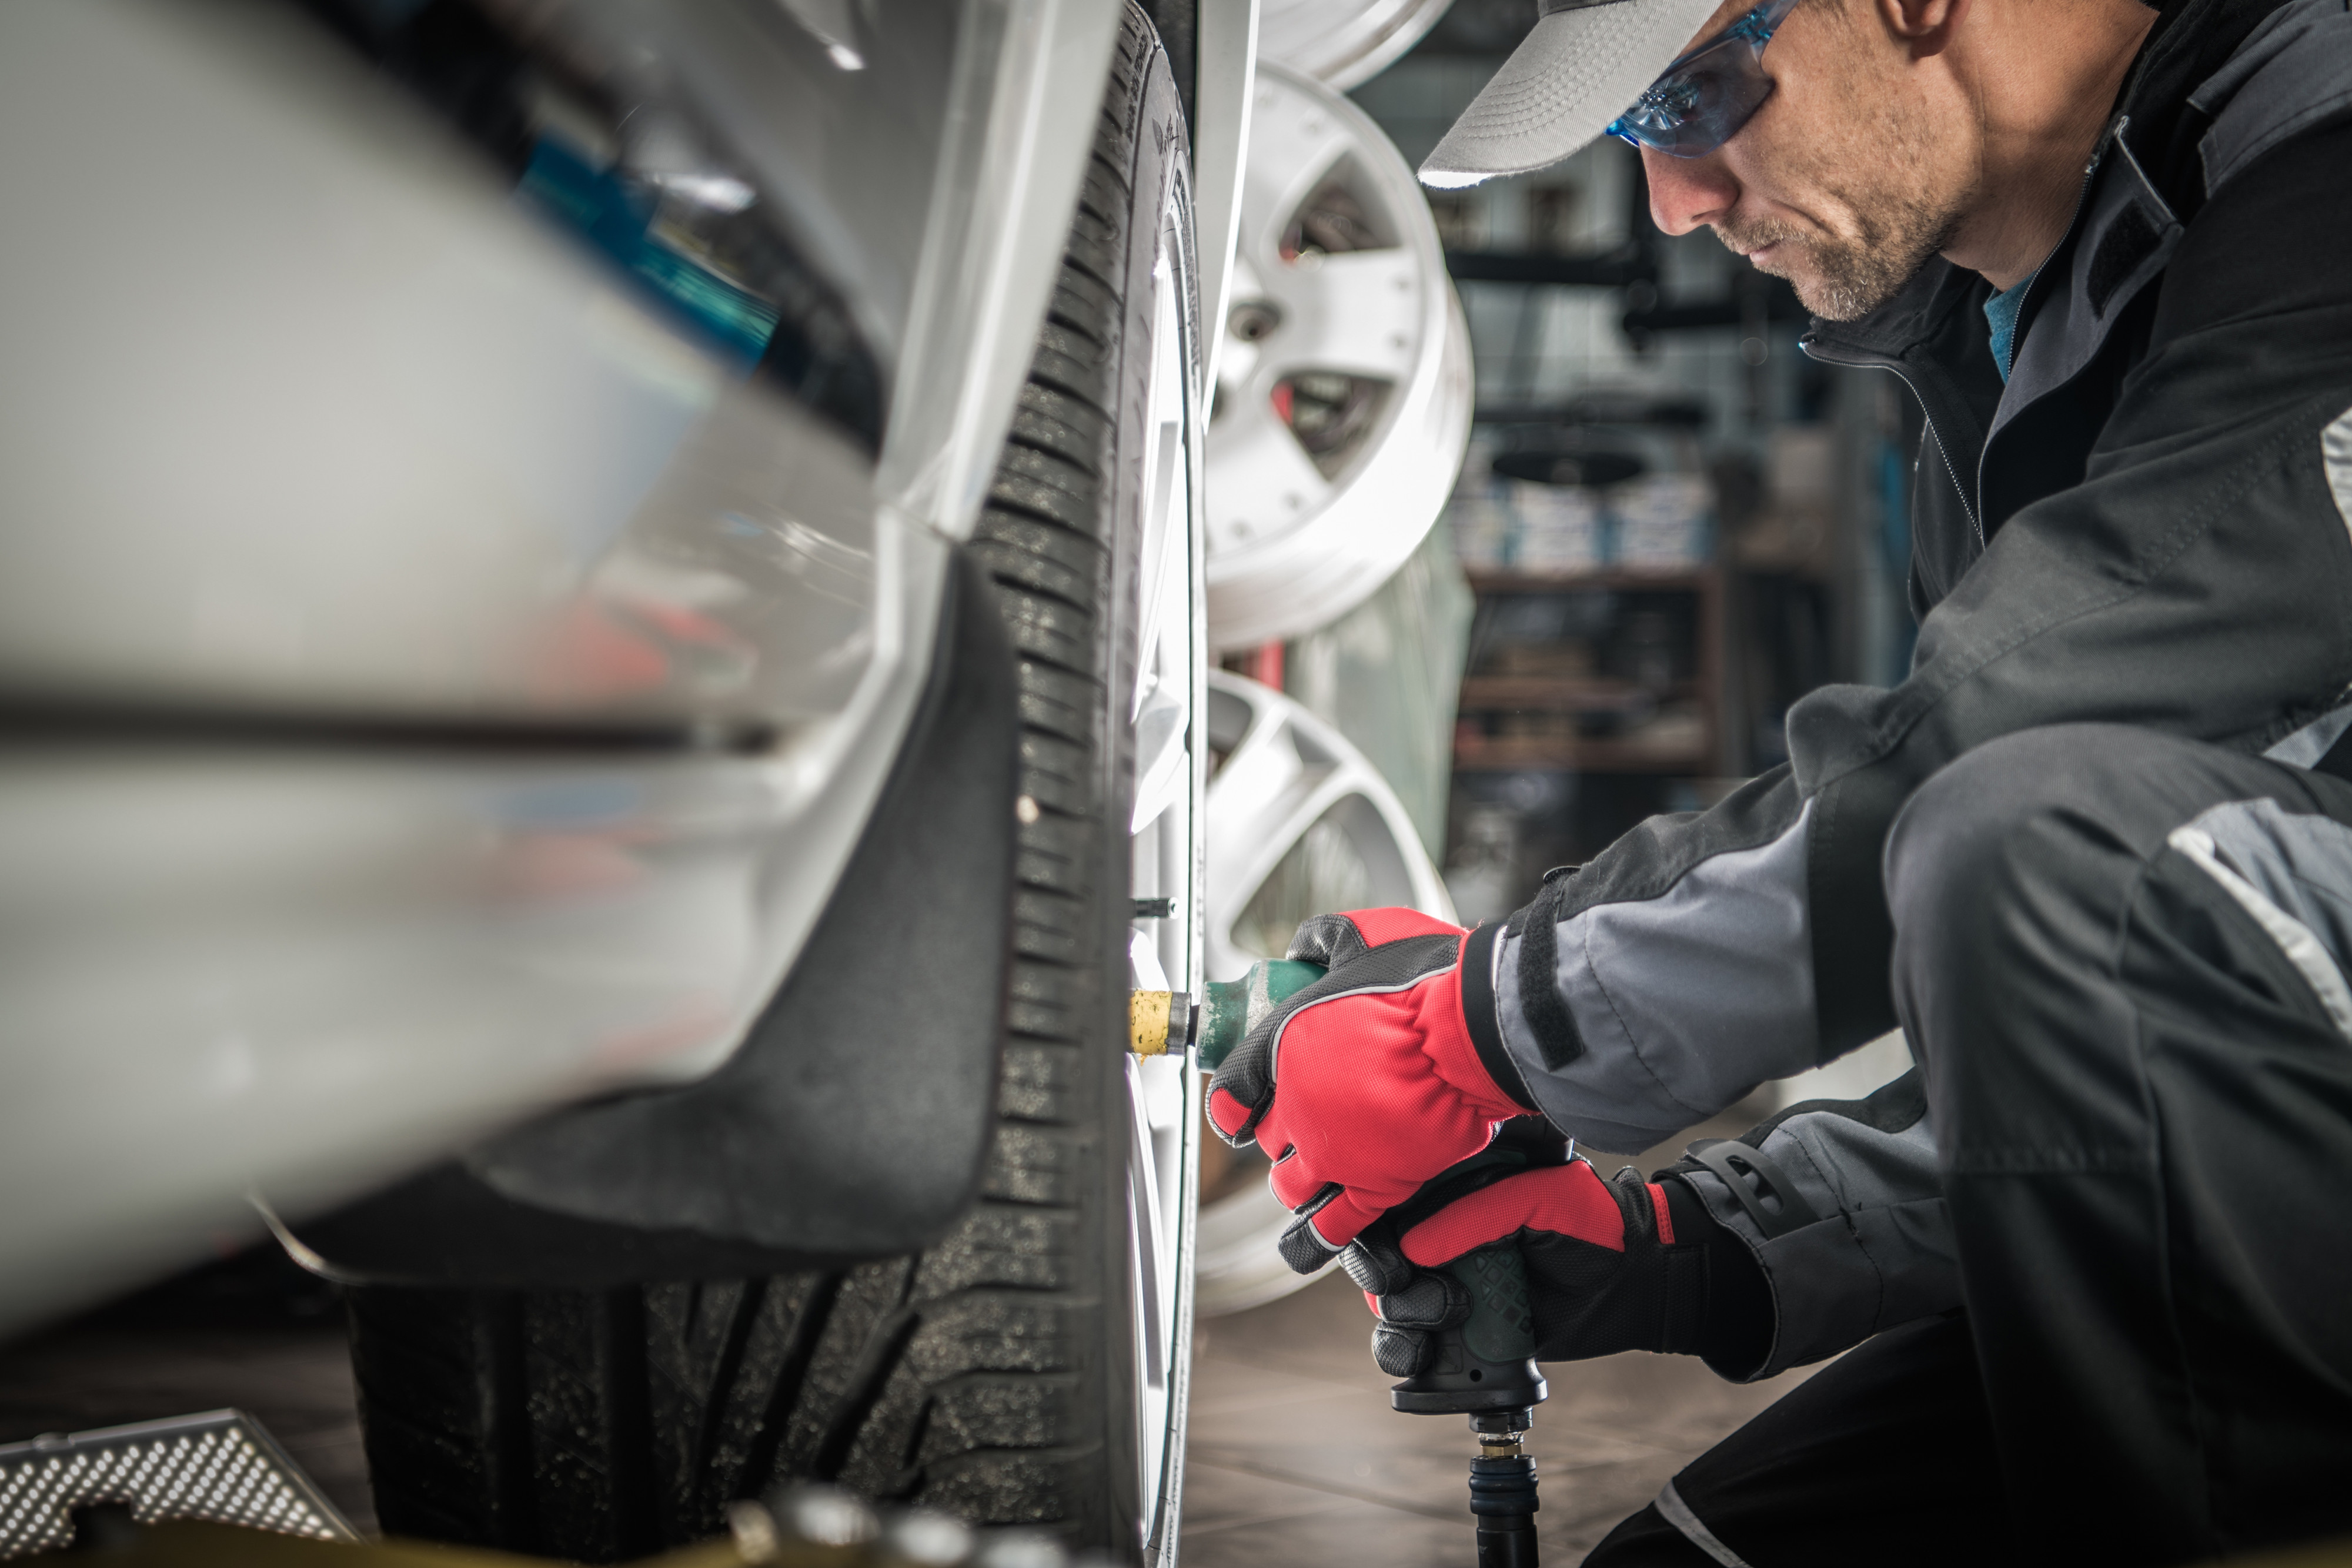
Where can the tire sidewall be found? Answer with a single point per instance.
(1160, 180)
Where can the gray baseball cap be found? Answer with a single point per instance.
(1582, 67)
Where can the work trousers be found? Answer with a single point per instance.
(2120, 959)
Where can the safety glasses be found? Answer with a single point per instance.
(1704, 98)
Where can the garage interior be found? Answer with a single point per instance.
(1543, 672)
(1666, 527)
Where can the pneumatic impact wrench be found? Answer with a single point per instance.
(1483, 1369)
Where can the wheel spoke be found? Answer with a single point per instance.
(1359, 313)
(1167, 494)
(1294, 143)
(1265, 480)
(1159, 756)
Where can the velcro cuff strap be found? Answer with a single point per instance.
(1478, 1016)
(1757, 1183)
(1681, 1321)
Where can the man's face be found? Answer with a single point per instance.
(1846, 180)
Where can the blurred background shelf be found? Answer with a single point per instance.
(1625, 579)
(1591, 698)
(1510, 753)
(1480, 693)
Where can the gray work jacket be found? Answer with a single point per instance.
(2146, 525)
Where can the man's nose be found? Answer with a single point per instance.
(1685, 192)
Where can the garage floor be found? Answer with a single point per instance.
(1296, 1456)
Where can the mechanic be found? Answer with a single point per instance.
(2090, 1261)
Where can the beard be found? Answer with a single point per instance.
(1842, 277)
(1883, 216)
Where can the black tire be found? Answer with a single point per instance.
(992, 1375)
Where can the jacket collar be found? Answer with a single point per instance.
(1921, 312)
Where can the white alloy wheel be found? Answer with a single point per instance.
(1170, 776)
(1343, 383)
(1299, 823)
(1341, 43)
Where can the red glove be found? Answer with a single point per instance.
(1618, 1265)
(1367, 1082)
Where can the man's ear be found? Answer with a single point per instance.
(1923, 27)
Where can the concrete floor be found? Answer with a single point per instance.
(1296, 1457)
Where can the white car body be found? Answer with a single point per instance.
(309, 430)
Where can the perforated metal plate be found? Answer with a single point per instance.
(221, 1466)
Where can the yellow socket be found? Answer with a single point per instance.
(1146, 1021)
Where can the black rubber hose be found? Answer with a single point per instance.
(1502, 1498)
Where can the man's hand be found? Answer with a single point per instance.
(1373, 1079)
(1623, 1264)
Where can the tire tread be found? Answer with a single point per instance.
(601, 1425)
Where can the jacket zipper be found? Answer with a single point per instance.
(1928, 422)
